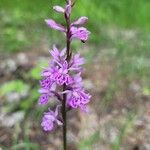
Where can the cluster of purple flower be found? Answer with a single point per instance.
(62, 72)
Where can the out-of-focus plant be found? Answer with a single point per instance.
(35, 72)
(146, 91)
(13, 86)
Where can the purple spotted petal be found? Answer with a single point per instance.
(80, 33)
(43, 100)
(50, 119)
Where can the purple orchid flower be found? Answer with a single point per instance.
(79, 33)
(62, 78)
(50, 119)
(78, 98)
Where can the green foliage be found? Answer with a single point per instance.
(27, 104)
(123, 131)
(25, 146)
(146, 91)
(36, 71)
(13, 86)
(87, 144)
(19, 19)
(15, 38)
(111, 90)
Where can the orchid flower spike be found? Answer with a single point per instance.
(62, 79)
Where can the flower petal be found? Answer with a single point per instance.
(80, 33)
(59, 122)
(59, 9)
(43, 91)
(51, 23)
(68, 10)
(80, 21)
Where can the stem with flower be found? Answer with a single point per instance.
(64, 72)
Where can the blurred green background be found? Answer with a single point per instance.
(117, 72)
